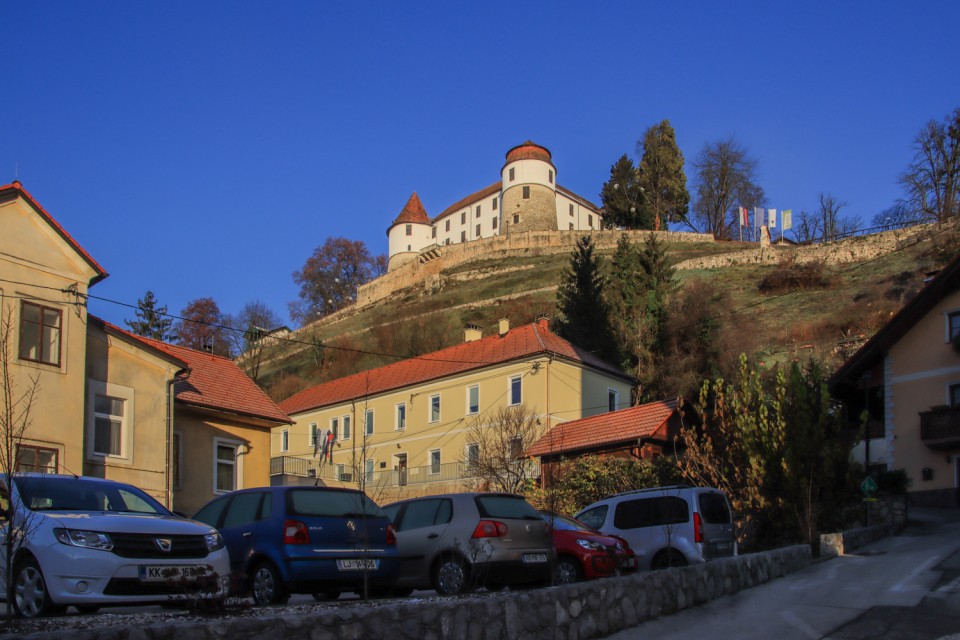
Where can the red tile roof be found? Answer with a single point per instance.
(486, 192)
(625, 425)
(15, 188)
(215, 382)
(529, 150)
(521, 342)
(413, 211)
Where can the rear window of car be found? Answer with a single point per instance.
(714, 508)
(332, 504)
(506, 507)
(650, 512)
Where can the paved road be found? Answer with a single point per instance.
(906, 587)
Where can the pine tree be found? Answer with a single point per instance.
(584, 313)
(152, 321)
(622, 198)
(661, 179)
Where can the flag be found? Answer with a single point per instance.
(758, 214)
(744, 217)
(315, 433)
(772, 217)
(329, 446)
(326, 445)
(786, 218)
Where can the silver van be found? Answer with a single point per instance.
(667, 526)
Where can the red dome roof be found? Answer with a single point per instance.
(529, 150)
(413, 211)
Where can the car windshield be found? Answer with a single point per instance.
(40, 493)
(338, 504)
(565, 523)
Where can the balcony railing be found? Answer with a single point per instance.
(450, 471)
(940, 429)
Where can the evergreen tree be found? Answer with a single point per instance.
(152, 321)
(661, 179)
(584, 313)
(622, 198)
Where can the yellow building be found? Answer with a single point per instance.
(907, 378)
(410, 428)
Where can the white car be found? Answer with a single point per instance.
(89, 542)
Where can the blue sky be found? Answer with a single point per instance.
(206, 148)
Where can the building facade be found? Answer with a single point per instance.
(526, 198)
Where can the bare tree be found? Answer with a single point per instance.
(17, 404)
(250, 327)
(725, 179)
(806, 227)
(501, 438)
(932, 180)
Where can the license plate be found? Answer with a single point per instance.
(163, 572)
(530, 558)
(628, 563)
(357, 565)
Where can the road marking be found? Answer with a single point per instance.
(791, 618)
(902, 586)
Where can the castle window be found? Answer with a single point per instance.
(526, 193)
(516, 218)
(590, 221)
(571, 209)
(571, 226)
(463, 217)
(433, 232)
(511, 174)
(448, 225)
(550, 174)
(494, 204)
(409, 229)
(478, 211)
(478, 231)
(463, 236)
(494, 223)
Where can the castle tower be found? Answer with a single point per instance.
(409, 233)
(529, 191)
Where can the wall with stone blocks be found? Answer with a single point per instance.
(577, 612)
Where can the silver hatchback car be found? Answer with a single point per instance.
(460, 541)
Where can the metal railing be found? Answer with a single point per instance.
(940, 428)
(447, 472)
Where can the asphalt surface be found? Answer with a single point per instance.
(905, 587)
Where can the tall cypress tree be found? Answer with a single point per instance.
(584, 312)
(660, 176)
(152, 321)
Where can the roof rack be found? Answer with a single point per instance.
(650, 490)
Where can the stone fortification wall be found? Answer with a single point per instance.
(519, 244)
(579, 611)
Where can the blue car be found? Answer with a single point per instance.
(317, 540)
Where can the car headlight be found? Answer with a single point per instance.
(85, 539)
(588, 544)
(214, 541)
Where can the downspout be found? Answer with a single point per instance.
(179, 376)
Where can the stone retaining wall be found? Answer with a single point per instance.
(836, 544)
(576, 612)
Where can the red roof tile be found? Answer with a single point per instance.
(529, 150)
(215, 382)
(413, 211)
(16, 187)
(625, 425)
(518, 343)
(486, 192)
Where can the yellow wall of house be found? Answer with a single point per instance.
(119, 369)
(37, 265)
(920, 369)
(554, 390)
(197, 433)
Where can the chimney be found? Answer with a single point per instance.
(543, 321)
(504, 327)
(472, 332)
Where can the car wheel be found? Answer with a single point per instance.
(87, 609)
(451, 577)
(326, 596)
(668, 558)
(567, 571)
(30, 596)
(267, 586)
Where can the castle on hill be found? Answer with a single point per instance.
(526, 198)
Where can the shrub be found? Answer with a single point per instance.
(894, 483)
(790, 275)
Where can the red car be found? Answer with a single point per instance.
(584, 553)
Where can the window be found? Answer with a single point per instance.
(494, 223)
(341, 472)
(516, 218)
(435, 462)
(516, 396)
(346, 427)
(463, 236)
(435, 408)
(425, 513)
(38, 459)
(368, 470)
(955, 395)
(953, 325)
(335, 428)
(226, 475)
(550, 175)
(590, 221)
(368, 422)
(284, 440)
(313, 434)
(473, 399)
(571, 209)
(243, 509)
(463, 217)
(494, 204)
(473, 455)
(401, 417)
(409, 229)
(512, 174)
(516, 446)
(478, 231)
(571, 226)
(478, 211)
(650, 512)
(433, 231)
(107, 425)
(447, 228)
(613, 399)
(526, 193)
(40, 333)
